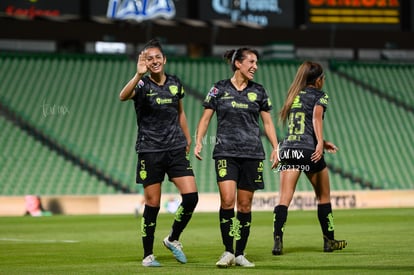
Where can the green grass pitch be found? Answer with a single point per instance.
(380, 241)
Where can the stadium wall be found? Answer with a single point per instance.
(263, 201)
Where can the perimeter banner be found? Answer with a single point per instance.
(33, 8)
(266, 13)
(139, 10)
(208, 202)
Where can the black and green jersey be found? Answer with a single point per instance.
(301, 133)
(157, 115)
(238, 119)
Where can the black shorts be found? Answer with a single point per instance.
(248, 173)
(152, 167)
(300, 160)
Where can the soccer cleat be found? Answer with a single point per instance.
(331, 245)
(177, 249)
(242, 261)
(150, 261)
(278, 246)
(227, 259)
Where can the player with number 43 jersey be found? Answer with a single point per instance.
(302, 151)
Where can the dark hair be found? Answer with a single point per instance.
(314, 71)
(307, 74)
(153, 43)
(238, 54)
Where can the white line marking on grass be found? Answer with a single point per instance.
(37, 241)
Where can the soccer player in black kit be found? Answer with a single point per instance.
(238, 152)
(162, 145)
(302, 151)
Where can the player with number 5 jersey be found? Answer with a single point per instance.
(163, 144)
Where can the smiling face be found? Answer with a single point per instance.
(155, 60)
(248, 66)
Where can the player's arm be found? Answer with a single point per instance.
(270, 132)
(182, 119)
(318, 128)
(202, 130)
(128, 91)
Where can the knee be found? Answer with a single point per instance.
(227, 202)
(189, 201)
(153, 201)
(244, 207)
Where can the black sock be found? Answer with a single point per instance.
(183, 215)
(279, 220)
(244, 219)
(326, 220)
(227, 235)
(148, 224)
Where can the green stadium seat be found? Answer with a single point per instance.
(102, 130)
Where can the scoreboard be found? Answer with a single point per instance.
(356, 14)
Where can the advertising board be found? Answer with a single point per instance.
(266, 13)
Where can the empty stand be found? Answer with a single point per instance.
(74, 101)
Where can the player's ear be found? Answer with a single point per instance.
(165, 59)
(237, 64)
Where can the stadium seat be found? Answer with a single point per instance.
(74, 101)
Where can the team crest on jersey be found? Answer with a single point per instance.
(173, 89)
(222, 172)
(143, 174)
(252, 96)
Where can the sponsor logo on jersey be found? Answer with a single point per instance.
(227, 96)
(296, 103)
(151, 93)
(324, 100)
(238, 105)
(163, 100)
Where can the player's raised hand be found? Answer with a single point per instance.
(142, 63)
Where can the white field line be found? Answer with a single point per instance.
(36, 241)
